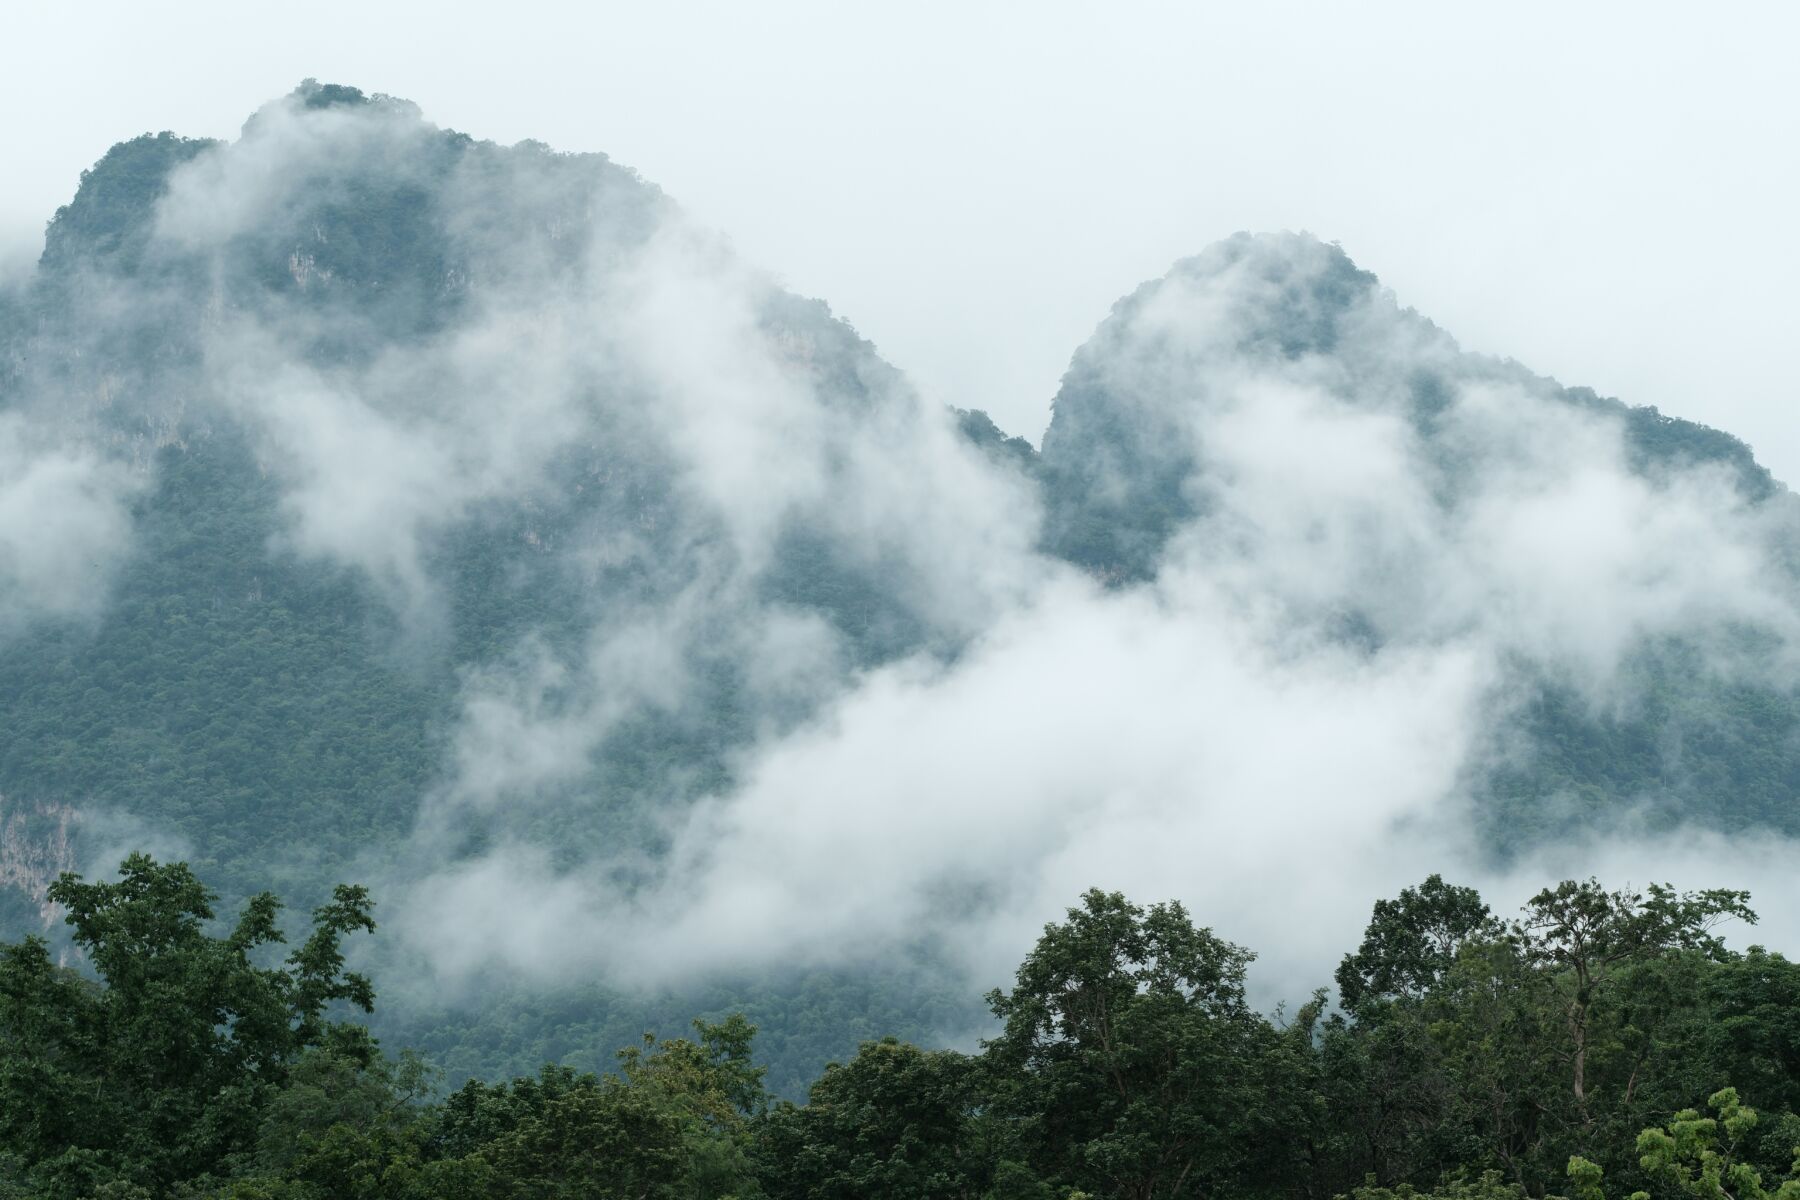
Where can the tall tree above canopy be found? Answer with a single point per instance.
(1412, 940)
(1592, 934)
(164, 1061)
(1129, 1053)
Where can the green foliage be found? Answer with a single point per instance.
(107, 224)
(980, 430)
(711, 1087)
(1588, 937)
(1697, 1156)
(894, 1123)
(1131, 1062)
(193, 1062)
(219, 679)
(602, 1141)
(1412, 941)
(1701, 1156)
(1752, 1029)
(1488, 1186)
(158, 1069)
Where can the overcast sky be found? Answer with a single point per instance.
(1606, 192)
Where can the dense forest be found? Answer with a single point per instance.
(1599, 1043)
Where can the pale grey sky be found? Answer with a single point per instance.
(1606, 192)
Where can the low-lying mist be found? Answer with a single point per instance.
(751, 661)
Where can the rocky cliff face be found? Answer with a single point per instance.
(36, 845)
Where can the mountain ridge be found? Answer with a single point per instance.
(467, 520)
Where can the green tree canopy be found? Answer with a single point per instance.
(1131, 1064)
(157, 1068)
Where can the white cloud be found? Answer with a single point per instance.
(1209, 736)
(64, 525)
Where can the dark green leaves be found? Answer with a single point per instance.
(1412, 941)
(158, 1069)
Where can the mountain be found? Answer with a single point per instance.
(384, 504)
(1127, 441)
(1269, 412)
(441, 495)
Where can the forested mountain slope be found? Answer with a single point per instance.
(1268, 412)
(430, 494)
(379, 503)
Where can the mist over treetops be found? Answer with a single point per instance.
(381, 504)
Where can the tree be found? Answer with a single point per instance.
(1698, 1156)
(1487, 1186)
(597, 1142)
(1753, 1026)
(713, 1089)
(1591, 935)
(337, 1120)
(1384, 1093)
(895, 1123)
(565, 1133)
(1412, 940)
(1129, 1063)
(1493, 1025)
(711, 1079)
(159, 1068)
(1383, 1069)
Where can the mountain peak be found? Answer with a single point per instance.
(1261, 313)
(314, 94)
(107, 221)
(1285, 291)
(1273, 253)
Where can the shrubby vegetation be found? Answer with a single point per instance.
(1599, 1043)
